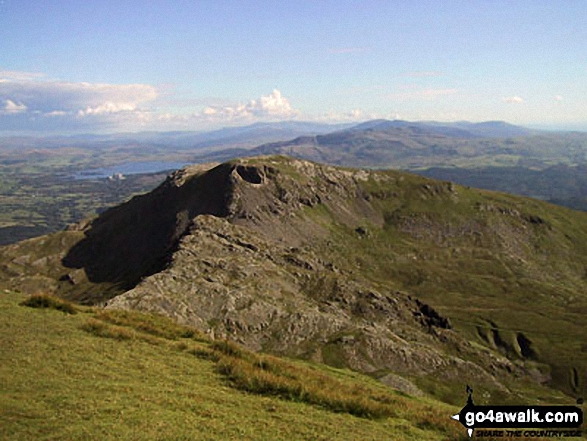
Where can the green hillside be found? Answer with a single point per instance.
(107, 375)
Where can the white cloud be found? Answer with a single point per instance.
(272, 106)
(513, 99)
(356, 115)
(76, 98)
(10, 107)
(558, 98)
(107, 108)
(353, 115)
(56, 113)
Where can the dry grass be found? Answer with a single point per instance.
(337, 391)
(101, 329)
(50, 302)
(153, 324)
(260, 374)
(267, 375)
(179, 384)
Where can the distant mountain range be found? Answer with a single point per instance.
(229, 137)
(413, 145)
(494, 155)
(462, 129)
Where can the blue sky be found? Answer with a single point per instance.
(107, 66)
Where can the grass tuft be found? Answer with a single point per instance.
(204, 353)
(226, 347)
(101, 329)
(50, 302)
(267, 375)
(153, 324)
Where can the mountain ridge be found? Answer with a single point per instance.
(419, 145)
(351, 267)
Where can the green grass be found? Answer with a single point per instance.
(83, 377)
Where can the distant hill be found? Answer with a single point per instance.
(38, 196)
(422, 283)
(420, 145)
(492, 155)
(559, 184)
(229, 137)
(494, 129)
(463, 129)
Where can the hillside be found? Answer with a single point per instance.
(422, 284)
(560, 184)
(109, 376)
(420, 145)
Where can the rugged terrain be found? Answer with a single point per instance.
(423, 284)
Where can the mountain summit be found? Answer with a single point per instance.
(423, 284)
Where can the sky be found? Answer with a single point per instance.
(102, 66)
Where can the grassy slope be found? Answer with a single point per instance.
(488, 271)
(60, 382)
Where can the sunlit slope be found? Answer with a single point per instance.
(100, 375)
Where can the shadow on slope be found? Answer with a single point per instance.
(134, 240)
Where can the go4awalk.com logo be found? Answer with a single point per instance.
(527, 421)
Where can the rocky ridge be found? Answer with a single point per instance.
(297, 258)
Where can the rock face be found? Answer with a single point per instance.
(270, 296)
(349, 267)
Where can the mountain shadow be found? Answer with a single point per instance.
(134, 240)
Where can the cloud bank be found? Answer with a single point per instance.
(81, 99)
(33, 103)
(30, 102)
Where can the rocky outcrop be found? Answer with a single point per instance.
(233, 283)
(353, 268)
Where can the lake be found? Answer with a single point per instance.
(129, 168)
